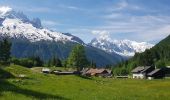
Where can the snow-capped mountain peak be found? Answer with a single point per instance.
(4, 10)
(7, 12)
(121, 47)
(16, 25)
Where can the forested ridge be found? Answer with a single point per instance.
(158, 56)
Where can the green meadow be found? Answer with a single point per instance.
(52, 87)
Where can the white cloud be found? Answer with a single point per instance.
(155, 34)
(102, 34)
(49, 23)
(139, 28)
(39, 9)
(112, 15)
(72, 7)
(124, 5)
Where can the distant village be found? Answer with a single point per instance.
(140, 72)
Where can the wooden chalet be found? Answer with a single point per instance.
(98, 72)
(141, 71)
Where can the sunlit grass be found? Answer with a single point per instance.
(77, 88)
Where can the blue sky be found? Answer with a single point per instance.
(139, 20)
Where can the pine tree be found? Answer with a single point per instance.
(49, 63)
(77, 58)
(148, 58)
(37, 61)
(64, 63)
(55, 62)
(5, 51)
(58, 63)
(92, 64)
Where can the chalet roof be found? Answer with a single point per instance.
(109, 71)
(137, 69)
(95, 71)
(65, 72)
(146, 68)
(153, 72)
(84, 70)
(140, 69)
(45, 69)
(168, 66)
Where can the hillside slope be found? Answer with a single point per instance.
(159, 56)
(46, 50)
(38, 86)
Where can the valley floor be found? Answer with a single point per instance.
(46, 86)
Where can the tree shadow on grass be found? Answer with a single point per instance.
(5, 86)
(4, 74)
(85, 77)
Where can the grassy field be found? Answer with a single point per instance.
(43, 86)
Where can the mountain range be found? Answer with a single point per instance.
(30, 38)
(125, 48)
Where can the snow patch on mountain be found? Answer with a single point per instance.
(4, 10)
(121, 47)
(16, 25)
